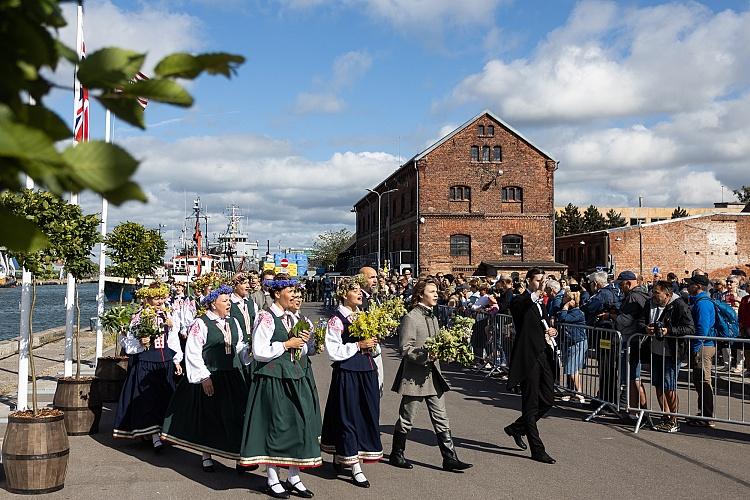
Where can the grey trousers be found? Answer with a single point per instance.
(435, 406)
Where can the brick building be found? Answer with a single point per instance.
(716, 243)
(480, 200)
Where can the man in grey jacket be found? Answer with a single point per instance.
(419, 379)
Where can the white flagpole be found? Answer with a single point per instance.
(70, 292)
(102, 257)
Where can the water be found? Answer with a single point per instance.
(49, 311)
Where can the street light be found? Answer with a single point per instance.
(380, 197)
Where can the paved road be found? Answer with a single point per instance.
(595, 460)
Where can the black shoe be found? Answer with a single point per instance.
(241, 469)
(544, 458)
(269, 491)
(361, 484)
(339, 468)
(451, 463)
(208, 465)
(292, 488)
(396, 457)
(158, 447)
(517, 436)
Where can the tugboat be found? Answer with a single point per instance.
(235, 252)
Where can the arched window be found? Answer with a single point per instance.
(460, 245)
(512, 193)
(513, 245)
(485, 153)
(460, 193)
(475, 153)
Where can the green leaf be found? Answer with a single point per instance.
(160, 90)
(125, 108)
(109, 68)
(183, 65)
(46, 120)
(20, 234)
(126, 192)
(99, 166)
(26, 143)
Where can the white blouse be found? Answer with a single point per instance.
(132, 345)
(263, 349)
(194, 363)
(337, 350)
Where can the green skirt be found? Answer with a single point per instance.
(208, 424)
(282, 423)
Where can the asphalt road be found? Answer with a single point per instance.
(602, 459)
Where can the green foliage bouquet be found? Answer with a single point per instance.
(145, 323)
(302, 325)
(319, 335)
(116, 320)
(380, 321)
(453, 344)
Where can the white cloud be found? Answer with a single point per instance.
(346, 70)
(285, 196)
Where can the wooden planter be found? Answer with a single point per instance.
(110, 375)
(35, 452)
(79, 400)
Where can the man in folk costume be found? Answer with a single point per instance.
(419, 380)
(244, 310)
(262, 296)
(532, 365)
(369, 285)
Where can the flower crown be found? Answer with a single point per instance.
(212, 280)
(211, 297)
(279, 284)
(153, 291)
(348, 284)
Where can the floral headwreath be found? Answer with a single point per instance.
(155, 290)
(279, 284)
(346, 285)
(212, 280)
(211, 297)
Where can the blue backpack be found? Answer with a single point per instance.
(726, 323)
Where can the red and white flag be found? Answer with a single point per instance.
(81, 93)
(138, 78)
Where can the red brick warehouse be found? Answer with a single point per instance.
(480, 200)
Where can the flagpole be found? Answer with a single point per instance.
(102, 257)
(70, 291)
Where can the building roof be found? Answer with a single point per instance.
(437, 144)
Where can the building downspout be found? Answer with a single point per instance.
(415, 271)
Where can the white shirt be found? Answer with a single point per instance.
(336, 349)
(133, 345)
(263, 349)
(194, 364)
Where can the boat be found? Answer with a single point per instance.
(7, 271)
(234, 250)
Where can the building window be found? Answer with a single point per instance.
(485, 153)
(475, 153)
(480, 128)
(497, 153)
(512, 193)
(460, 245)
(513, 245)
(403, 202)
(460, 193)
(490, 130)
(635, 222)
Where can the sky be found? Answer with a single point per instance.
(634, 98)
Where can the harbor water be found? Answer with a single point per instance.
(49, 311)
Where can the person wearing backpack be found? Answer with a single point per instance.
(703, 351)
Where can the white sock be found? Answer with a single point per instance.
(155, 439)
(295, 480)
(273, 479)
(357, 469)
(206, 456)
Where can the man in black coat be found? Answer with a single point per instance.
(531, 366)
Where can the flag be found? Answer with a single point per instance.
(81, 93)
(138, 78)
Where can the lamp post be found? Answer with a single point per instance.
(380, 197)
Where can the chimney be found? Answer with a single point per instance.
(640, 201)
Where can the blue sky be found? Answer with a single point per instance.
(634, 98)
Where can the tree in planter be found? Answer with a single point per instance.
(134, 251)
(679, 213)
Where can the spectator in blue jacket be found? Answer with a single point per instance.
(574, 343)
(555, 297)
(602, 307)
(703, 351)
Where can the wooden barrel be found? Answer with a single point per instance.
(35, 454)
(110, 375)
(80, 402)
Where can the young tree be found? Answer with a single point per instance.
(679, 212)
(329, 245)
(134, 251)
(31, 132)
(569, 221)
(615, 219)
(743, 194)
(593, 220)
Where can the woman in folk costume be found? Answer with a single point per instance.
(244, 311)
(207, 408)
(154, 361)
(419, 380)
(294, 310)
(282, 418)
(351, 425)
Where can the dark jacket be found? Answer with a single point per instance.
(630, 320)
(605, 299)
(529, 346)
(676, 318)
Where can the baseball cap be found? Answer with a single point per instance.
(626, 276)
(699, 279)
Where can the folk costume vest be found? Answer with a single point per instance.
(359, 362)
(284, 366)
(246, 321)
(215, 354)
(158, 350)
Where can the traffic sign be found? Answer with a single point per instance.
(284, 262)
(655, 270)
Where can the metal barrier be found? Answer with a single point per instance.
(589, 365)
(682, 373)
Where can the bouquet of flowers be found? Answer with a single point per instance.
(302, 325)
(453, 344)
(320, 336)
(380, 321)
(145, 324)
